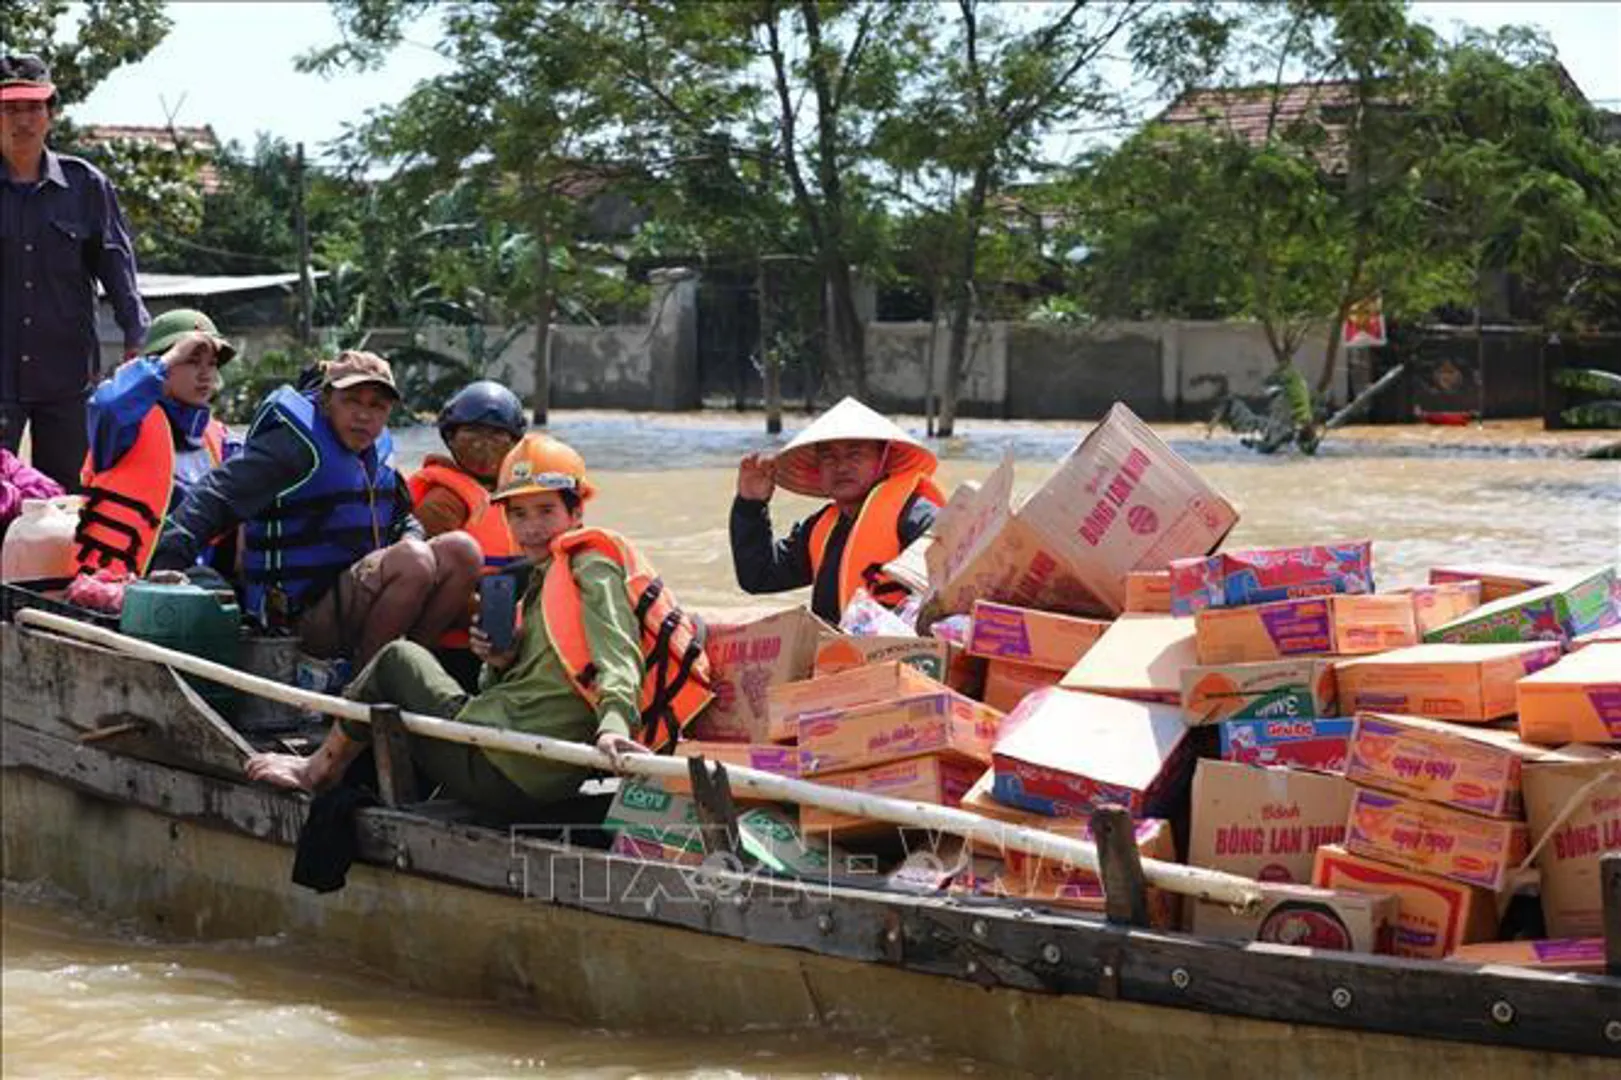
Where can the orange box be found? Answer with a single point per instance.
(1437, 605)
(1060, 883)
(1444, 682)
(1038, 638)
(935, 779)
(788, 702)
(749, 652)
(1575, 792)
(1306, 917)
(1141, 657)
(1433, 917)
(1298, 688)
(943, 722)
(1576, 700)
(1552, 954)
(767, 757)
(1342, 624)
(1473, 769)
(1007, 683)
(1497, 580)
(1148, 592)
(841, 652)
(1436, 839)
(1264, 824)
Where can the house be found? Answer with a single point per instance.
(199, 139)
(261, 308)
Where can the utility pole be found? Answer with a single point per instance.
(306, 285)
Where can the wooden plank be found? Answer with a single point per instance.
(1125, 891)
(991, 945)
(391, 747)
(712, 793)
(1610, 891)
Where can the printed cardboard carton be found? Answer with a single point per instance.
(1041, 639)
(749, 653)
(1237, 578)
(766, 757)
(788, 702)
(1067, 752)
(1551, 954)
(1473, 769)
(1007, 684)
(1306, 917)
(1139, 657)
(1444, 682)
(935, 779)
(1607, 636)
(841, 652)
(1148, 592)
(1434, 915)
(1435, 839)
(1120, 501)
(1064, 884)
(1437, 605)
(1573, 605)
(1497, 580)
(1264, 824)
(942, 722)
(1341, 624)
(1295, 688)
(1573, 801)
(1309, 743)
(1271, 690)
(1576, 700)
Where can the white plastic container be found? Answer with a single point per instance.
(39, 543)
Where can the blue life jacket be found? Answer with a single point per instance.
(325, 522)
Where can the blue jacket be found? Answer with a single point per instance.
(119, 405)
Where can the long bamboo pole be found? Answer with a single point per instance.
(1192, 881)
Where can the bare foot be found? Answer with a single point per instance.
(282, 770)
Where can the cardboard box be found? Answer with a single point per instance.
(1473, 769)
(1573, 605)
(1444, 682)
(1063, 884)
(1148, 592)
(1606, 636)
(1497, 580)
(943, 722)
(1308, 743)
(934, 779)
(1433, 917)
(1552, 954)
(1264, 824)
(1140, 657)
(1120, 501)
(1345, 625)
(841, 652)
(1038, 638)
(1270, 690)
(1067, 752)
(1436, 839)
(1007, 684)
(1576, 795)
(1437, 605)
(1576, 700)
(1308, 918)
(748, 654)
(767, 757)
(1237, 578)
(788, 702)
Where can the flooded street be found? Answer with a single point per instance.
(85, 998)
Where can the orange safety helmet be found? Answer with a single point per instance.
(542, 463)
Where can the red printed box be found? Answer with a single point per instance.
(1237, 578)
(1338, 624)
(1433, 915)
(1473, 769)
(1037, 638)
(940, 723)
(1435, 839)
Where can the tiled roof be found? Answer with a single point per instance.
(200, 139)
(1246, 111)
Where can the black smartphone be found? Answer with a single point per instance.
(498, 609)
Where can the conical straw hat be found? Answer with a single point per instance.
(798, 471)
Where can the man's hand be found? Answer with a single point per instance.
(194, 348)
(618, 747)
(757, 477)
(479, 642)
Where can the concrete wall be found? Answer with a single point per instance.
(898, 359)
(1205, 360)
(1061, 373)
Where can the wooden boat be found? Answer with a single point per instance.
(123, 787)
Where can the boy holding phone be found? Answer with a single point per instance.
(577, 603)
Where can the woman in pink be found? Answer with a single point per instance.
(19, 482)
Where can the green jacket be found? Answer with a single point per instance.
(533, 694)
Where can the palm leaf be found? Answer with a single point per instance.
(1596, 414)
(1594, 382)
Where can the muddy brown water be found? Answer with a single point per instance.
(84, 997)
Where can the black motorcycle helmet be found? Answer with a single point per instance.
(483, 402)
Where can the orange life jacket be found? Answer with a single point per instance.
(125, 505)
(874, 538)
(676, 680)
(486, 522)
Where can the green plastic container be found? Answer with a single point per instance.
(192, 620)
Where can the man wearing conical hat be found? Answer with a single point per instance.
(882, 497)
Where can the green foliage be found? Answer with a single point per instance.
(250, 379)
(1603, 385)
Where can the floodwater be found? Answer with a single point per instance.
(85, 997)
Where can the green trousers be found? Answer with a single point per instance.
(404, 673)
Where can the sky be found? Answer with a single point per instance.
(230, 65)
